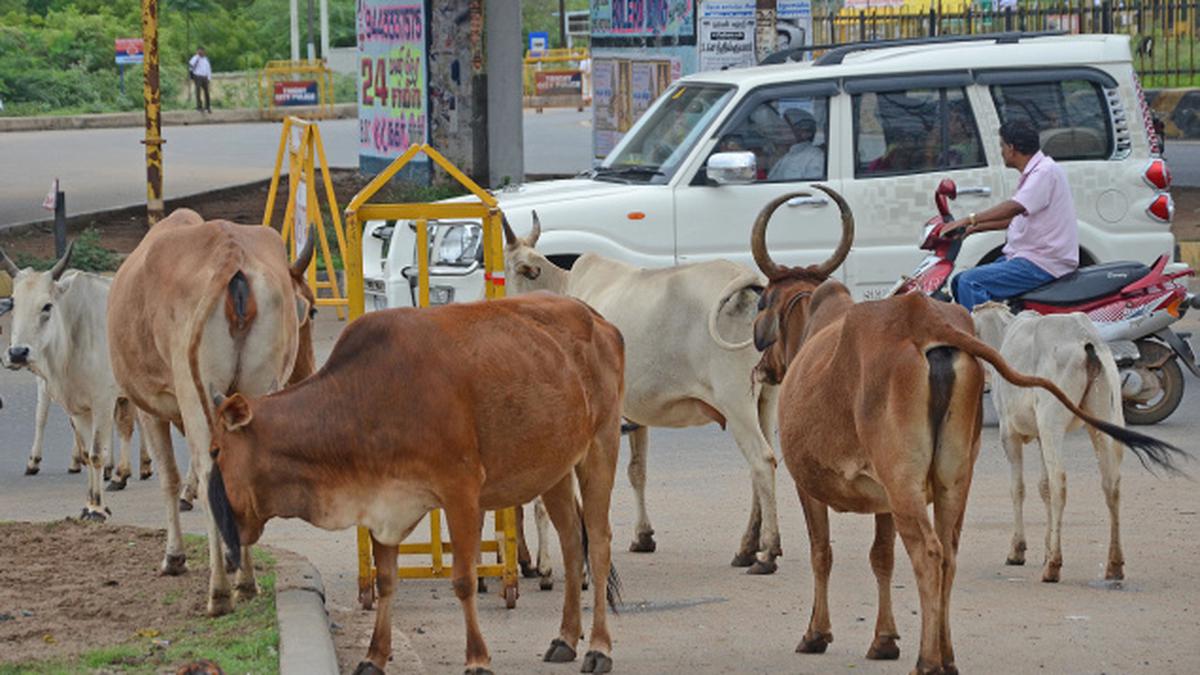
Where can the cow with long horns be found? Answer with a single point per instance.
(198, 307)
(880, 412)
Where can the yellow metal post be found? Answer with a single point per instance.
(153, 103)
(422, 263)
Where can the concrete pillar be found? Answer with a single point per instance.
(295, 19)
(325, 29)
(505, 135)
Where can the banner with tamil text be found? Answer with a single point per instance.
(392, 78)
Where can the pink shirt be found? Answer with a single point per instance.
(1047, 234)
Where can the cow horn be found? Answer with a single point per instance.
(510, 237)
(304, 258)
(61, 265)
(827, 268)
(536, 231)
(758, 237)
(9, 265)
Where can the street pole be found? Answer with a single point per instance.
(60, 223)
(764, 28)
(152, 95)
(312, 49)
(562, 23)
(295, 29)
(325, 30)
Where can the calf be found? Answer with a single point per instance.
(202, 306)
(1066, 349)
(59, 334)
(503, 401)
(880, 413)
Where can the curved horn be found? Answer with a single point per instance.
(304, 258)
(9, 265)
(828, 267)
(536, 231)
(510, 237)
(758, 237)
(61, 265)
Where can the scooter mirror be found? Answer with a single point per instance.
(946, 190)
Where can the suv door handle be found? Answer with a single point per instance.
(815, 200)
(981, 191)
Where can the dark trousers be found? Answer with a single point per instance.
(202, 86)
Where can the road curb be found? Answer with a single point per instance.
(169, 118)
(305, 644)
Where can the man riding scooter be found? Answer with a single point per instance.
(1043, 235)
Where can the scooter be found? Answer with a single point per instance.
(1133, 306)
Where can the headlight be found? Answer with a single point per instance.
(460, 245)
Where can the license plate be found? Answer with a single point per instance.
(441, 295)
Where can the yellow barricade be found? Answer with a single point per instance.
(486, 210)
(301, 141)
(288, 79)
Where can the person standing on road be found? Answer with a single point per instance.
(201, 71)
(1043, 233)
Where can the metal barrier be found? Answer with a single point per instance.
(558, 78)
(301, 140)
(487, 211)
(280, 85)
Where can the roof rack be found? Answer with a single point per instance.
(835, 54)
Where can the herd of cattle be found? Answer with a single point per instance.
(878, 408)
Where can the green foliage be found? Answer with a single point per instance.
(87, 255)
(541, 15)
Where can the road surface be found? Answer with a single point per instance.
(687, 611)
(102, 169)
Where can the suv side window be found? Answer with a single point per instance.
(1071, 116)
(787, 134)
(914, 131)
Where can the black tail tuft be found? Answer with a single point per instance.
(1151, 452)
(612, 589)
(941, 386)
(222, 513)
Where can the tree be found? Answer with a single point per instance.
(188, 7)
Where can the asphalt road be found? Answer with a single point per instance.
(688, 611)
(105, 168)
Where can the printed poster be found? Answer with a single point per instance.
(726, 34)
(643, 18)
(392, 77)
(642, 87)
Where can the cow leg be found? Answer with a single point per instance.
(883, 561)
(385, 583)
(1055, 482)
(596, 474)
(79, 452)
(544, 570)
(100, 424)
(639, 445)
(123, 417)
(157, 433)
(464, 518)
(39, 429)
(188, 495)
(928, 557)
(761, 458)
(820, 631)
(524, 560)
(561, 508)
(1109, 452)
(144, 458)
(747, 553)
(1014, 449)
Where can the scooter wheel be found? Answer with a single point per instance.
(1171, 379)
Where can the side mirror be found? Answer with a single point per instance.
(732, 168)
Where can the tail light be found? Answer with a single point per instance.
(1157, 174)
(1162, 208)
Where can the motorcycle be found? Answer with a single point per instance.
(1132, 305)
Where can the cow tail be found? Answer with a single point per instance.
(1150, 451)
(230, 284)
(612, 589)
(741, 283)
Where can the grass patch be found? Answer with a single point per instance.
(246, 641)
(87, 255)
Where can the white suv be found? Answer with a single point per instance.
(882, 123)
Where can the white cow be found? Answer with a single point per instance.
(1067, 350)
(59, 333)
(680, 369)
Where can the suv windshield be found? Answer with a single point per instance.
(659, 142)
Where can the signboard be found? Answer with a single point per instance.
(302, 92)
(539, 42)
(726, 34)
(643, 18)
(129, 51)
(558, 83)
(392, 77)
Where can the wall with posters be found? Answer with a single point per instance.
(726, 34)
(392, 80)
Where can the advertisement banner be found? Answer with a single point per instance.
(302, 92)
(129, 51)
(793, 24)
(392, 81)
(558, 83)
(643, 18)
(726, 34)
(642, 87)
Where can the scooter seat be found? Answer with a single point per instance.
(1088, 283)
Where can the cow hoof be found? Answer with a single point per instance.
(1051, 573)
(108, 473)
(644, 543)
(1115, 572)
(185, 505)
(528, 570)
(74, 469)
(1014, 561)
(814, 643)
(116, 485)
(763, 567)
(884, 648)
(559, 652)
(481, 586)
(219, 605)
(145, 474)
(546, 583)
(245, 592)
(94, 515)
(949, 669)
(474, 671)
(32, 469)
(368, 668)
(744, 559)
(174, 565)
(595, 662)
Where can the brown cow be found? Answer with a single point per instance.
(201, 306)
(466, 408)
(880, 413)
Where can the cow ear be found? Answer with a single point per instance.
(235, 412)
